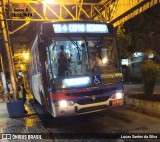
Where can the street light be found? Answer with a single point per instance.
(25, 55)
(48, 1)
(22, 66)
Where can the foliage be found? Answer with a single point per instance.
(138, 35)
(124, 41)
(135, 35)
(149, 70)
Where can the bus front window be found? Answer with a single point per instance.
(77, 57)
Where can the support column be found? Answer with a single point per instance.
(7, 43)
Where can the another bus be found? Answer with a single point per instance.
(82, 88)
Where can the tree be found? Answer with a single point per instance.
(124, 41)
(139, 35)
(149, 70)
(142, 29)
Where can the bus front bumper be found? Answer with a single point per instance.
(68, 108)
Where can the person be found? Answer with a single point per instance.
(1, 91)
(10, 89)
(97, 62)
(22, 95)
(62, 61)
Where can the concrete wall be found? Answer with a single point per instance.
(146, 106)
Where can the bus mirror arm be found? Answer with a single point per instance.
(42, 52)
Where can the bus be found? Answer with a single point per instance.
(89, 81)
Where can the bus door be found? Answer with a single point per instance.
(47, 87)
(45, 76)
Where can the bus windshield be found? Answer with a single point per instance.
(78, 56)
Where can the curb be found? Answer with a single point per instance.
(146, 106)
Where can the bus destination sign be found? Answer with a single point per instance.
(80, 28)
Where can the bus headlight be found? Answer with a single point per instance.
(64, 103)
(118, 95)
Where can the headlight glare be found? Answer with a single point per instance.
(119, 95)
(63, 103)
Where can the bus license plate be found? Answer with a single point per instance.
(117, 102)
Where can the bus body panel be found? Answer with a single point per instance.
(37, 87)
(88, 103)
(86, 100)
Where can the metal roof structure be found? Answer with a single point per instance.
(114, 11)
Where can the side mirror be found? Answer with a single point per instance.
(42, 52)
